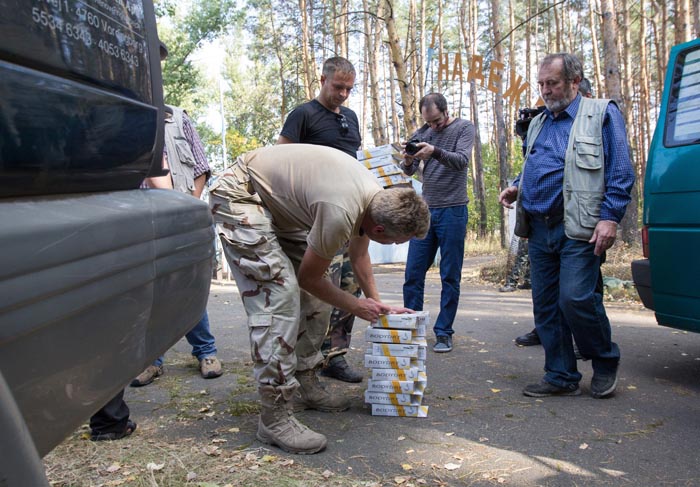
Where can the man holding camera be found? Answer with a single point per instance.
(442, 146)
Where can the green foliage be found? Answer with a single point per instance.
(184, 32)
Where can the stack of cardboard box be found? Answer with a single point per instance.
(396, 356)
(383, 161)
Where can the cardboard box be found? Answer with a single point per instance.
(388, 170)
(386, 335)
(405, 411)
(377, 161)
(395, 399)
(372, 152)
(397, 374)
(394, 179)
(383, 362)
(394, 350)
(402, 321)
(396, 386)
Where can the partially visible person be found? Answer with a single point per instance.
(325, 121)
(283, 213)
(531, 338)
(189, 171)
(580, 144)
(518, 276)
(444, 148)
(112, 421)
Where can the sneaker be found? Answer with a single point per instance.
(528, 339)
(210, 367)
(443, 344)
(603, 385)
(147, 376)
(508, 288)
(338, 368)
(545, 389)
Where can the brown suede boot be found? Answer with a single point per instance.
(312, 395)
(278, 426)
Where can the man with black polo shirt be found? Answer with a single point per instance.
(325, 121)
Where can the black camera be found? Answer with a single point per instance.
(412, 147)
(525, 116)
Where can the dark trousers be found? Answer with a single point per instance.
(112, 417)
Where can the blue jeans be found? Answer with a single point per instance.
(448, 228)
(564, 275)
(201, 339)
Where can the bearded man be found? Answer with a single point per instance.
(572, 193)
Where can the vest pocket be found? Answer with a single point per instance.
(589, 209)
(588, 152)
(184, 152)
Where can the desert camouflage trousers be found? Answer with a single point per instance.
(340, 327)
(286, 325)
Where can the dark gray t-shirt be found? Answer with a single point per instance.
(445, 174)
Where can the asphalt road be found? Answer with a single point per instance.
(480, 429)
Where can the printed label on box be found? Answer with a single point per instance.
(377, 161)
(384, 335)
(396, 386)
(395, 349)
(395, 399)
(396, 374)
(381, 362)
(406, 411)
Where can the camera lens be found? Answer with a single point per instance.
(412, 147)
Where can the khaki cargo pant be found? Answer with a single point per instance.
(340, 328)
(286, 324)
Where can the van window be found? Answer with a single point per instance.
(683, 115)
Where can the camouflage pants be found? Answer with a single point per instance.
(340, 327)
(286, 324)
(521, 265)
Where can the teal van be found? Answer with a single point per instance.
(668, 279)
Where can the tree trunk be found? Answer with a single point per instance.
(628, 226)
(598, 78)
(409, 114)
(373, 46)
(682, 21)
(309, 63)
(499, 126)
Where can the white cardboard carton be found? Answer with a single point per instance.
(403, 321)
(395, 399)
(396, 386)
(407, 411)
(395, 350)
(372, 152)
(377, 161)
(387, 170)
(387, 335)
(397, 374)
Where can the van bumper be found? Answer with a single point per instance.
(641, 275)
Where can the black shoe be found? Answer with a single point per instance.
(338, 368)
(525, 285)
(528, 339)
(545, 389)
(112, 435)
(603, 385)
(443, 344)
(508, 288)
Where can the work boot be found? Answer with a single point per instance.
(312, 395)
(339, 368)
(278, 426)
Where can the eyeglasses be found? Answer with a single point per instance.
(344, 127)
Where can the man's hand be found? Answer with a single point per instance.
(508, 196)
(370, 309)
(603, 236)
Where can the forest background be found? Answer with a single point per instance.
(482, 55)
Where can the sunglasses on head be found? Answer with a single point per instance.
(344, 127)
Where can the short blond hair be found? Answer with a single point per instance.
(402, 213)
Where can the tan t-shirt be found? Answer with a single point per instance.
(314, 188)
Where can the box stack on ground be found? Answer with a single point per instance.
(396, 359)
(383, 162)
